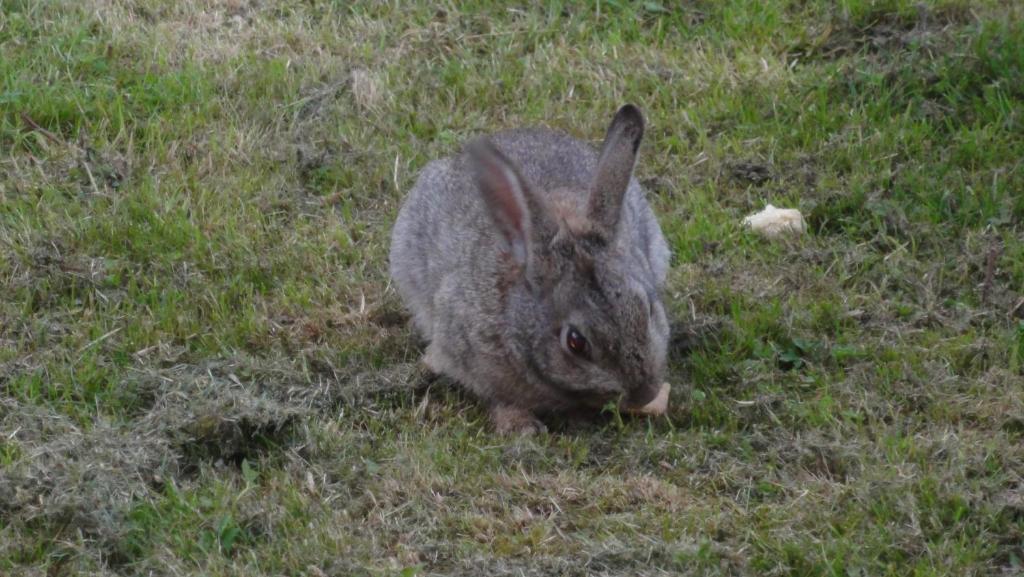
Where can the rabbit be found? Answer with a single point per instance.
(533, 266)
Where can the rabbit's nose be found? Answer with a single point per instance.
(640, 396)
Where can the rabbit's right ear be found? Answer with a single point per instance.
(615, 168)
(504, 192)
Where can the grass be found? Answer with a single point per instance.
(204, 370)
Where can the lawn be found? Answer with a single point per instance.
(204, 369)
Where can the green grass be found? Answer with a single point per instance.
(204, 370)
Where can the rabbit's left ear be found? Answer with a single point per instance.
(615, 168)
(504, 192)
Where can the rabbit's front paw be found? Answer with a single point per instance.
(510, 420)
(433, 360)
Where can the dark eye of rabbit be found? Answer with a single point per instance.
(575, 341)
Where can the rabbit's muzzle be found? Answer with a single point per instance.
(642, 395)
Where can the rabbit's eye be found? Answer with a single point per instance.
(575, 342)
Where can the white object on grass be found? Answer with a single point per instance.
(772, 222)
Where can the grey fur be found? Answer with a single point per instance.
(498, 249)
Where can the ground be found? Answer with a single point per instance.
(204, 369)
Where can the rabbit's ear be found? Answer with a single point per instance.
(614, 168)
(504, 192)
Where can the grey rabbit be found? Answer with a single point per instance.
(533, 265)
